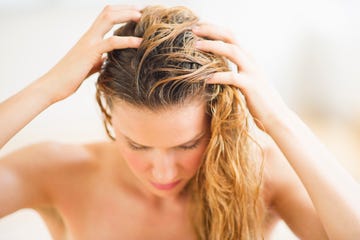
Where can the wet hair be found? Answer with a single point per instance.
(166, 71)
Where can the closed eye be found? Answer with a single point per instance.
(141, 148)
(190, 147)
(138, 148)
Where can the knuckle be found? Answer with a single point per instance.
(107, 8)
(107, 16)
(112, 41)
(219, 43)
(230, 36)
(206, 26)
(227, 48)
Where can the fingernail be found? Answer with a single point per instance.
(195, 28)
(198, 44)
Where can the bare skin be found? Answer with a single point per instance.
(98, 191)
(97, 196)
(102, 185)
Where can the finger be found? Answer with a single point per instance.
(108, 18)
(214, 32)
(230, 51)
(97, 67)
(238, 80)
(116, 42)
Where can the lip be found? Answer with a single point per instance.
(165, 186)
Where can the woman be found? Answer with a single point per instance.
(186, 160)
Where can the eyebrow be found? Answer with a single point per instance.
(196, 138)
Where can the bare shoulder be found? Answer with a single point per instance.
(52, 160)
(49, 151)
(45, 161)
(31, 174)
(58, 158)
(99, 149)
(55, 155)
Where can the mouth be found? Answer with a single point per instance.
(168, 186)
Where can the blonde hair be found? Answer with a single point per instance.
(167, 70)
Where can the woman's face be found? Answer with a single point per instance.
(164, 149)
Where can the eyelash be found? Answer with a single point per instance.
(190, 147)
(136, 148)
(145, 148)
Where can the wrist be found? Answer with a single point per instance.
(281, 120)
(45, 89)
(287, 123)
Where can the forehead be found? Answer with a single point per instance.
(170, 127)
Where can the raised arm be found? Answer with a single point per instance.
(84, 59)
(22, 172)
(333, 191)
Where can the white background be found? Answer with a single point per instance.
(309, 49)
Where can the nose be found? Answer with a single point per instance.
(164, 168)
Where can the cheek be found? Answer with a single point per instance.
(135, 160)
(191, 162)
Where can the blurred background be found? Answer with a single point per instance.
(309, 49)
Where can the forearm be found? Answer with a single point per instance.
(333, 191)
(20, 109)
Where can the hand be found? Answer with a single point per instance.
(264, 103)
(85, 58)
